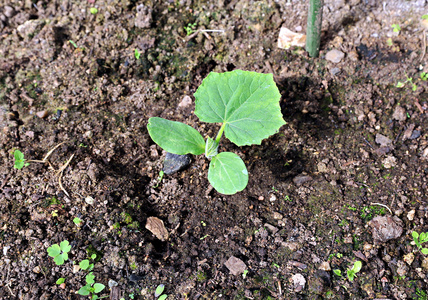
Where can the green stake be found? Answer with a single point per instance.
(313, 31)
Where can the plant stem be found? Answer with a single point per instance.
(220, 133)
(313, 30)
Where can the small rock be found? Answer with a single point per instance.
(415, 134)
(185, 102)
(112, 283)
(385, 228)
(382, 150)
(335, 71)
(272, 198)
(261, 198)
(271, 228)
(42, 114)
(174, 163)
(383, 140)
(408, 132)
(409, 258)
(235, 265)
(277, 215)
(144, 16)
(301, 179)
(153, 151)
(156, 226)
(322, 167)
(399, 114)
(353, 55)
(425, 263)
(297, 264)
(62, 285)
(298, 282)
(425, 153)
(334, 56)
(325, 266)
(30, 27)
(389, 162)
(37, 269)
(411, 215)
(9, 11)
(76, 268)
(402, 268)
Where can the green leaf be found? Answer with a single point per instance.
(175, 137)
(93, 256)
(60, 280)
(337, 272)
(247, 102)
(400, 84)
(211, 148)
(424, 251)
(54, 250)
(84, 264)
(423, 237)
(351, 274)
(84, 290)
(98, 287)
(65, 246)
(19, 160)
(59, 260)
(93, 10)
(357, 266)
(90, 278)
(415, 235)
(227, 173)
(163, 297)
(424, 17)
(137, 54)
(64, 256)
(159, 290)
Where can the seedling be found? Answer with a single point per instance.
(137, 54)
(19, 160)
(59, 252)
(424, 76)
(190, 28)
(419, 239)
(73, 43)
(396, 27)
(337, 272)
(159, 179)
(77, 221)
(355, 269)
(158, 292)
(86, 265)
(247, 106)
(93, 10)
(91, 288)
(60, 280)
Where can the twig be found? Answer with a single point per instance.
(424, 40)
(380, 204)
(60, 172)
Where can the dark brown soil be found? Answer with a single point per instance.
(355, 147)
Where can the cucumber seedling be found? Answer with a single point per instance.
(247, 106)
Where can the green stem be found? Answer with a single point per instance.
(313, 30)
(220, 133)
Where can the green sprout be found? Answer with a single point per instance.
(158, 292)
(337, 272)
(424, 76)
(419, 239)
(59, 252)
(73, 43)
(159, 179)
(137, 54)
(77, 221)
(190, 28)
(19, 160)
(247, 106)
(396, 27)
(91, 287)
(60, 280)
(355, 269)
(93, 10)
(86, 265)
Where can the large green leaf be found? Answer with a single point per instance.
(247, 102)
(227, 173)
(176, 137)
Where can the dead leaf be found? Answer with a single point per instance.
(156, 226)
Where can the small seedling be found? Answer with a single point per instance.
(77, 221)
(91, 288)
(159, 179)
(355, 269)
(247, 105)
(337, 272)
(19, 160)
(190, 28)
(137, 54)
(73, 43)
(419, 239)
(244, 274)
(60, 280)
(86, 265)
(158, 292)
(93, 10)
(424, 76)
(396, 27)
(59, 252)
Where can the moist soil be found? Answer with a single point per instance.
(76, 97)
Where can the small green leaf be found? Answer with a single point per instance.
(93, 10)
(337, 272)
(77, 221)
(137, 54)
(424, 17)
(19, 160)
(424, 251)
(65, 246)
(64, 256)
(211, 148)
(176, 137)
(84, 290)
(357, 266)
(351, 274)
(93, 256)
(414, 87)
(90, 278)
(98, 287)
(247, 102)
(400, 84)
(84, 264)
(227, 173)
(60, 280)
(54, 250)
(423, 237)
(59, 260)
(159, 290)
(163, 297)
(73, 43)
(415, 235)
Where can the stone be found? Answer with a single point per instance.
(235, 265)
(30, 27)
(144, 16)
(385, 228)
(335, 71)
(325, 266)
(409, 258)
(301, 179)
(298, 282)
(411, 215)
(389, 162)
(156, 226)
(42, 114)
(383, 140)
(399, 114)
(185, 102)
(174, 163)
(334, 56)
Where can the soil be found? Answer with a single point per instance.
(355, 148)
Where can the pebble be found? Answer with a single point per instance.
(144, 16)
(325, 266)
(185, 102)
(425, 263)
(272, 198)
(425, 153)
(277, 216)
(42, 114)
(156, 226)
(36, 269)
(322, 167)
(409, 258)
(298, 282)
(235, 265)
(271, 228)
(411, 215)
(174, 163)
(112, 283)
(385, 228)
(334, 56)
(399, 114)
(383, 140)
(335, 71)
(353, 55)
(389, 162)
(76, 268)
(301, 179)
(408, 132)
